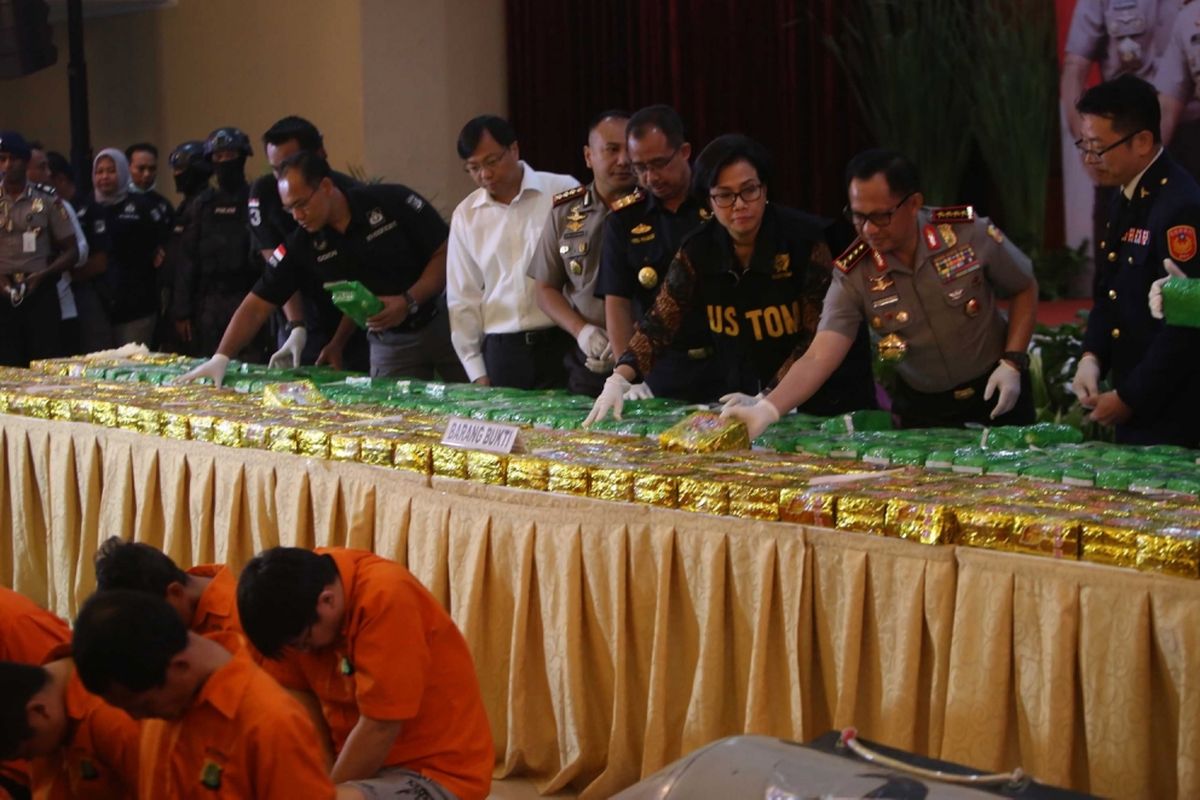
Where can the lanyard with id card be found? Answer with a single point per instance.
(29, 241)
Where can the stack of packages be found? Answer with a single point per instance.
(1036, 489)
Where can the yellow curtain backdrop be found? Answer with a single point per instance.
(612, 639)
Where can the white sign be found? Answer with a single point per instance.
(476, 435)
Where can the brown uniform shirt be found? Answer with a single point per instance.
(30, 224)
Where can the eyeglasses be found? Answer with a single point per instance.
(725, 198)
(1088, 152)
(300, 205)
(488, 163)
(880, 219)
(654, 164)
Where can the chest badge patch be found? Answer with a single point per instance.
(1181, 242)
(210, 775)
(575, 267)
(648, 277)
(931, 238)
(640, 230)
(881, 283)
(783, 264)
(948, 234)
(375, 217)
(880, 261)
(956, 263)
(1138, 236)
(37, 205)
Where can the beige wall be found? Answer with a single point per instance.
(387, 81)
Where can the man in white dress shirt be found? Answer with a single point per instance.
(500, 334)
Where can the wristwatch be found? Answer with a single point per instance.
(1018, 358)
(413, 305)
(294, 324)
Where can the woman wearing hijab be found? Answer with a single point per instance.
(138, 225)
(758, 272)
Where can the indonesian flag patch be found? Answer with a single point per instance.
(277, 256)
(1181, 242)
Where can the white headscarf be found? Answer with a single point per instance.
(123, 176)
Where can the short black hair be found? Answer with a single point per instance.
(137, 566)
(18, 684)
(58, 164)
(310, 165)
(1129, 102)
(663, 117)
(290, 128)
(126, 638)
(137, 147)
(277, 595)
(725, 150)
(500, 129)
(612, 113)
(898, 170)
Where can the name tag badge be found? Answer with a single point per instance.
(29, 242)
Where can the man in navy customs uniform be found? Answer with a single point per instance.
(567, 262)
(37, 244)
(927, 280)
(641, 238)
(1154, 217)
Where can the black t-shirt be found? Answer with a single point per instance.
(137, 227)
(392, 235)
(270, 225)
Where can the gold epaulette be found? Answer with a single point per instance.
(570, 194)
(953, 214)
(854, 254)
(636, 196)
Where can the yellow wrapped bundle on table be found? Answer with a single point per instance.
(705, 432)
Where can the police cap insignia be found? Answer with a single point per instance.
(636, 196)
(953, 214)
(570, 194)
(847, 260)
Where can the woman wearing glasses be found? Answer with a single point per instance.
(758, 272)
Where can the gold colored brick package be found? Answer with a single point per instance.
(1171, 551)
(927, 520)
(705, 432)
(988, 526)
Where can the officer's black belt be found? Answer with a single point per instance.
(695, 353)
(528, 338)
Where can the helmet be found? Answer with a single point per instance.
(227, 139)
(190, 155)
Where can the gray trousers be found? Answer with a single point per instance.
(418, 354)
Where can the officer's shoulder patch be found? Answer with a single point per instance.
(1181, 242)
(953, 214)
(853, 254)
(636, 196)
(570, 194)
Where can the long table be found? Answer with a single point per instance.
(610, 639)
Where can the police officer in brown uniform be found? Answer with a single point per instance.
(37, 244)
(927, 281)
(567, 262)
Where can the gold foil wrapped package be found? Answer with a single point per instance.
(1112, 541)
(657, 487)
(31, 405)
(923, 520)
(176, 425)
(449, 462)
(283, 438)
(567, 478)
(705, 432)
(816, 506)
(862, 511)
(985, 526)
(256, 434)
(755, 499)
(313, 443)
(703, 495)
(202, 427)
(1172, 551)
(612, 483)
(295, 393)
(528, 472)
(489, 468)
(344, 446)
(413, 456)
(60, 409)
(228, 432)
(1046, 535)
(377, 450)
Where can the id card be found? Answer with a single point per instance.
(29, 242)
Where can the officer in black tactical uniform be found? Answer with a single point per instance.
(191, 172)
(217, 267)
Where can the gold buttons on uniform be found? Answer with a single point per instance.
(877, 322)
(1103, 245)
(972, 307)
(647, 277)
(902, 317)
(1112, 256)
(1112, 294)
(1131, 259)
(1116, 333)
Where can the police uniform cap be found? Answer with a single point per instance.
(14, 144)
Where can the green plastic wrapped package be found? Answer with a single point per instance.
(1181, 302)
(354, 300)
(869, 420)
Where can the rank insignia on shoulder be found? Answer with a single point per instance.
(570, 194)
(847, 260)
(636, 196)
(640, 230)
(995, 233)
(953, 214)
(1181, 242)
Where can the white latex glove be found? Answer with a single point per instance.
(288, 356)
(213, 369)
(612, 398)
(1005, 379)
(592, 341)
(738, 399)
(603, 363)
(1086, 383)
(639, 391)
(757, 418)
(1173, 271)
